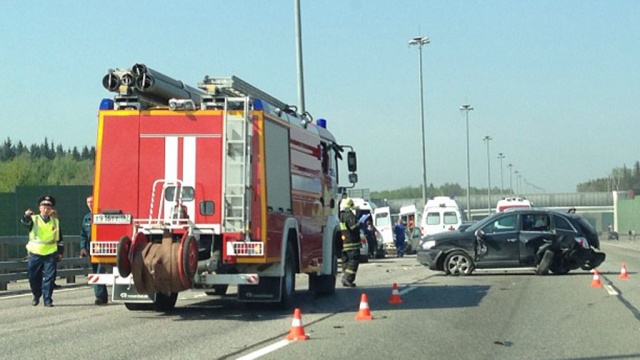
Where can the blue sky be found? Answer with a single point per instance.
(552, 82)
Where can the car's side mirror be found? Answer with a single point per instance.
(479, 233)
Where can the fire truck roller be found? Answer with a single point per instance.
(210, 187)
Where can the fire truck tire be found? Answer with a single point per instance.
(122, 256)
(138, 306)
(165, 302)
(288, 281)
(218, 290)
(326, 284)
(188, 260)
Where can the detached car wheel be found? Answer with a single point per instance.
(458, 263)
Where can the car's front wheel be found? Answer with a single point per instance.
(458, 263)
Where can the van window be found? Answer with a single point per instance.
(383, 220)
(450, 218)
(433, 218)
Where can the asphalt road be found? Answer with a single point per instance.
(489, 315)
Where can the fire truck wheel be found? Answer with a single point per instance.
(288, 281)
(218, 290)
(138, 306)
(188, 260)
(122, 256)
(165, 302)
(326, 284)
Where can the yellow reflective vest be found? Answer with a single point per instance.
(43, 237)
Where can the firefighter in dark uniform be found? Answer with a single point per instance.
(350, 234)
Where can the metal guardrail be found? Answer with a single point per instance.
(16, 269)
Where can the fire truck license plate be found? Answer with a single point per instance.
(112, 218)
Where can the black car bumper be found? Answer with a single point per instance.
(428, 258)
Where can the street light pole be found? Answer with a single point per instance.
(500, 157)
(466, 108)
(420, 41)
(296, 4)
(510, 166)
(487, 139)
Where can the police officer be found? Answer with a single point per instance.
(45, 248)
(350, 233)
(100, 291)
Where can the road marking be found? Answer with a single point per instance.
(266, 350)
(29, 293)
(610, 290)
(407, 290)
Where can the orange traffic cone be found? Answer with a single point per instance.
(395, 295)
(363, 312)
(297, 331)
(596, 283)
(623, 272)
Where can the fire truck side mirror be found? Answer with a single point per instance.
(351, 161)
(353, 178)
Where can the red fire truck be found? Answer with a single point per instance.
(210, 187)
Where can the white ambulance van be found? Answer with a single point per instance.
(441, 213)
(383, 222)
(512, 202)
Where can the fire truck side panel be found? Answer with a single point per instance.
(115, 185)
(278, 185)
(306, 175)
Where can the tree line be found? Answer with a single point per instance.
(44, 164)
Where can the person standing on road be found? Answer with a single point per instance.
(100, 291)
(400, 237)
(45, 248)
(350, 234)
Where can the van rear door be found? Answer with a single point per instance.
(382, 222)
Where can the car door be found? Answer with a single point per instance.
(501, 242)
(536, 231)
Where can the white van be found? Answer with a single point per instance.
(441, 213)
(512, 202)
(383, 222)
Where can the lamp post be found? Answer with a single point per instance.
(501, 157)
(296, 5)
(466, 108)
(487, 139)
(510, 166)
(420, 41)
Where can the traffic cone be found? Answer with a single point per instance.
(395, 295)
(363, 311)
(596, 283)
(623, 272)
(297, 331)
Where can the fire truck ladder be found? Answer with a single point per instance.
(237, 165)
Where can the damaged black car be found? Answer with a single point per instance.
(542, 240)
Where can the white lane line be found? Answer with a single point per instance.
(610, 290)
(266, 350)
(407, 290)
(29, 293)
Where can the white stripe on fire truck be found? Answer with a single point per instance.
(189, 168)
(170, 164)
